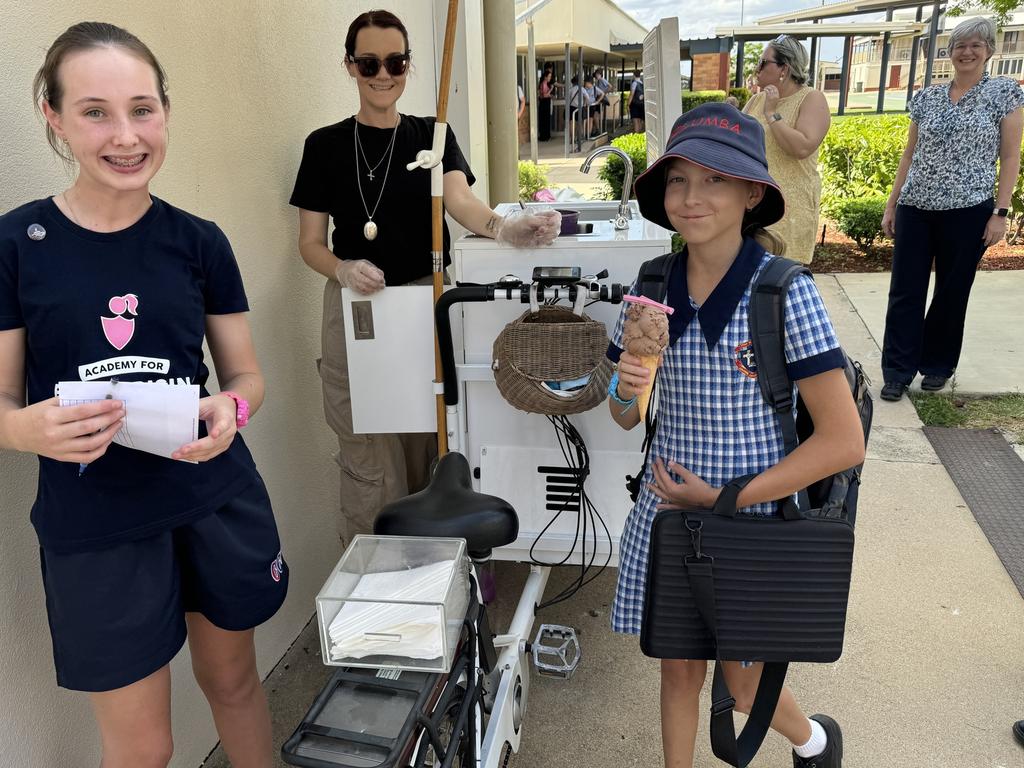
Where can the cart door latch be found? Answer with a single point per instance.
(362, 320)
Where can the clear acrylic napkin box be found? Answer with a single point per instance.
(391, 601)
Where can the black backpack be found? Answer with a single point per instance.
(639, 95)
(833, 496)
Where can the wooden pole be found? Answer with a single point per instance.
(437, 216)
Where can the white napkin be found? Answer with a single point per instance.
(393, 629)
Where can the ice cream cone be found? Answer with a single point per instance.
(643, 398)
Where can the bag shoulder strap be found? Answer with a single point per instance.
(736, 750)
(768, 334)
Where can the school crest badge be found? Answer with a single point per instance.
(743, 356)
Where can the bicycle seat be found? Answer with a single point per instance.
(449, 507)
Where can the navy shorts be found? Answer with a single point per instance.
(117, 615)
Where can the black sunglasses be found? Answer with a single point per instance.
(368, 66)
(761, 64)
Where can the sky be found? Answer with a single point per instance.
(699, 18)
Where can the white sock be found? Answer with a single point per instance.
(816, 744)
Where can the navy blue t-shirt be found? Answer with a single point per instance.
(130, 304)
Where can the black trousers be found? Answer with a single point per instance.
(931, 342)
(543, 119)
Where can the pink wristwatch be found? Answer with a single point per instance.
(241, 408)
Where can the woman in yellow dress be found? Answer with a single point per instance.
(795, 119)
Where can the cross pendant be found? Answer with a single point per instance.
(370, 175)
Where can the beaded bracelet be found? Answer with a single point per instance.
(613, 391)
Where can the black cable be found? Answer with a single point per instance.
(577, 457)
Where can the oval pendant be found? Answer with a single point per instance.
(369, 230)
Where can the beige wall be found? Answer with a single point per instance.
(249, 79)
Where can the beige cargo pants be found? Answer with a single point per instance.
(375, 469)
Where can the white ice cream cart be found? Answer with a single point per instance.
(514, 455)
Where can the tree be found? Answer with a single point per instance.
(751, 54)
(1000, 9)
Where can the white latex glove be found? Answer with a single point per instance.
(360, 275)
(527, 229)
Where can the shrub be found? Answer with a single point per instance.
(532, 178)
(742, 95)
(860, 219)
(860, 155)
(693, 99)
(614, 172)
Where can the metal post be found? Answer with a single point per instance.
(739, 63)
(604, 105)
(883, 74)
(582, 109)
(933, 39)
(531, 83)
(622, 101)
(844, 77)
(812, 72)
(565, 98)
(913, 59)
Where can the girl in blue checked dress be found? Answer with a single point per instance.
(712, 186)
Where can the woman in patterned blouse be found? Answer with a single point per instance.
(941, 208)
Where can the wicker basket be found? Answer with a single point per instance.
(552, 345)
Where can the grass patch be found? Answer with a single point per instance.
(1004, 412)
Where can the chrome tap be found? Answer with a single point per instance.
(625, 214)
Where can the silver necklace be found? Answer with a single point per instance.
(369, 170)
(370, 227)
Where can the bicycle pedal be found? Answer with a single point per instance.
(556, 651)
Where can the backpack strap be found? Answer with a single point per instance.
(768, 334)
(652, 282)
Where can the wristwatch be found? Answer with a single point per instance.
(1001, 212)
(241, 408)
(774, 118)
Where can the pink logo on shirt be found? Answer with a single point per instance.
(119, 330)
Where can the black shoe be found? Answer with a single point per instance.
(832, 757)
(1018, 731)
(893, 391)
(931, 383)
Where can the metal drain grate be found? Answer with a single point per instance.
(990, 477)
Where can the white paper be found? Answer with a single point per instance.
(159, 418)
(393, 629)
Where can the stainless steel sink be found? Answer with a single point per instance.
(592, 210)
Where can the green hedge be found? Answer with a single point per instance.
(860, 219)
(693, 99)
(614, 172)
(742, 95)
(532, 178)
(860, 155)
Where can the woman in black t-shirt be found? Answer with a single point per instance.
(354, 173)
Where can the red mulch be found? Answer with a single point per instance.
(840, 254)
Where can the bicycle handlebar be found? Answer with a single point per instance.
(517, 291)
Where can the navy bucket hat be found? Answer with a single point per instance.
(719, 137)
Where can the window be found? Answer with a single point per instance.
(1010, 66)
(1010, 40)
